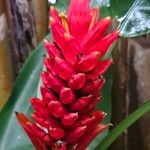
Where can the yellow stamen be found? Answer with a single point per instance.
(64, 21)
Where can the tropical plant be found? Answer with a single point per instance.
(28, 85)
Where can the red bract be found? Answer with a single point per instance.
(65, 116)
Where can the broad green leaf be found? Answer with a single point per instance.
(118, 8)
(123, 125)
(113, 8)
(12, 136)
(137, 19)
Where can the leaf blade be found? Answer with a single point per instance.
(12, 135)
(137, 20)
(123, 125)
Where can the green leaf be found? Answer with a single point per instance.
(62, 5)
(123, 125)
(137, 20)
(133, 15)
(118, 8)
(12, 136)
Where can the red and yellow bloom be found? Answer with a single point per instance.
(65, 116)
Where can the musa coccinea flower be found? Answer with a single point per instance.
(65, 117)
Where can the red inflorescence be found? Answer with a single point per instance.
(65, 116)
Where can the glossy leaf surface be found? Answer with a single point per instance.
(137, 20)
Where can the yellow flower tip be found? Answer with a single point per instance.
(62, 14)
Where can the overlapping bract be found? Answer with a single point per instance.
(65, 116)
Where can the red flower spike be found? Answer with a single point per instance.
(57, 133)
(50, 122)
(77, 81)
(88, 62)
(96, 34)
(65, 117)
(39, 107)
(63, 69)
(52, 82)
(40, 121)
(57, 109)
(47, 95)
(81, 103)
(99, 116)
(39, 145)
(92, 87)
(93, 104)
(49, 65)
(69, 46)
(89, 137)
(79, 19)
(94, 14)
(69, 119)
(48, 140)
(74, 135)
(105, 43)
(54, 14)
(51, 49)
(36, 130)
(40, 133)
(100, 69)
(57, 31)
(87, 120)
(67, 96)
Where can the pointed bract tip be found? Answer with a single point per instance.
(52, 8)
(58, 59)
(108, 18)
(45, 41)
(83, 128)
(57, 133)
(117, 32)
(62, 14)
(105, 114)
(96, 53)
(16, 113)
(67, 36)
(52, 21)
